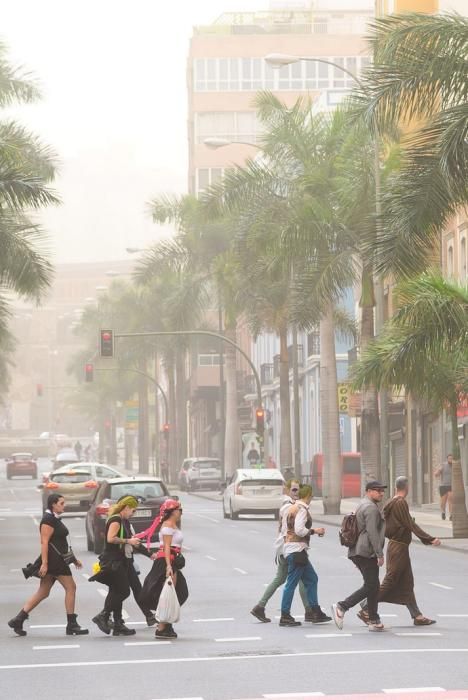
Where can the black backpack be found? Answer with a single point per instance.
(349, 532)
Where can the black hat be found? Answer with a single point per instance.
(371, 485)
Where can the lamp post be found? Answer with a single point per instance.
(278, 60)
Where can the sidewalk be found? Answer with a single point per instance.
(427, 517)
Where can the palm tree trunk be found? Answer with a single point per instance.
(330, 420)
(171, 466)
(286, 460)
(181, 406)
(232, 439)
(370, 423)
(459, 514)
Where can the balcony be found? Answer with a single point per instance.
(276, 366)
(300, 356)
(313, 344)
(250, 386)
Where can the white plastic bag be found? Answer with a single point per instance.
(168, 609)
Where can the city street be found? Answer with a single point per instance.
(222, 652)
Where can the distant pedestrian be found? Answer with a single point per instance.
(271, 463)
(117, 566)
(398, 584)
(367, 556)
(78, 449)
(297, 530)
(52, 568)
(291, 495)
(169, 562)
(445, 486)
(253, 455)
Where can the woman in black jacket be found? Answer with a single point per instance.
(52, 568)
(116, 563)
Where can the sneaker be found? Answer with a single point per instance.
(443, 515)
(363, 616)
(423, 621)
(338, 615)
(375, 627)
(316, 616)
(150, 619)
(287, 620)
(259, 612)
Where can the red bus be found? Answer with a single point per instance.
(351, 474)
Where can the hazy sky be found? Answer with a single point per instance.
(114, 108)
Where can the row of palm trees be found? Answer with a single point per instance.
(280, 240)
(26, 169)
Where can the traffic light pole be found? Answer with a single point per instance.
(210, 334)
(143, 374)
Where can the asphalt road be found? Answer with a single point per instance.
(222, 652)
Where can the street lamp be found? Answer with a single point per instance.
(278, 60)
(214, 143)
(134, 250)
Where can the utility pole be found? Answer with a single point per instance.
(297, 410)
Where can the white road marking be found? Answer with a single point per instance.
(13, 571)
(86, 576)
(102, 592)
(272, 696)
(125, 614)
(389, 615)
(214, 619)
(254, 532)
(208, 556)
(36, 522)
(234, 657)
(239, 639)
(2, 518)
(79, 537)
(440, 615)
(145, 644)
(323, 636)
(435, 689)
(41, 627)
(57, 646)
(241, 571)
(188, 549)
(278, 617)
(206, 517)
(180, 699)
(441, 585)
(417, 634)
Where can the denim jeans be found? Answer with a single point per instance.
(307, 575)
(280, 578)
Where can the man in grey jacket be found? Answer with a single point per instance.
(367, 555)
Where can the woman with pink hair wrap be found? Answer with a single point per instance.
(168, 562)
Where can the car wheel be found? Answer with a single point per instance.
(234, 515)
(8, 476)
(226, 516)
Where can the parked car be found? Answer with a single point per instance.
(182, 476)
(253, 491)
(98, 471)
(150, 491)
(203, 472)
(351, 474)
(76, 485)
(21, 464)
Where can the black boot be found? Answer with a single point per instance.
(102, 621)
(16, 623)
(150, 619)
(73, 627)
(287, 620)
(316, 615)
(121, 629)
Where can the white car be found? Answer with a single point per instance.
(253, 491)
(203, 472)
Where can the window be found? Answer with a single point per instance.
(463, 260)
(208, 360)
(250, 74)
(450, 259)
(207, 176)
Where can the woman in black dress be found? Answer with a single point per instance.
(53, 568)
(116, 564)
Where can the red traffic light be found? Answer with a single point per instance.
(260, 416)
(39, 389)
(260, 413)
(106, 343)
(166, 427)
(89, 372)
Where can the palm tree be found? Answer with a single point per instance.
(419, 80)
(424, 349)
(26, 168)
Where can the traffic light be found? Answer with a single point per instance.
(260, 418)
(166, 429)
(39, 390)
(89, 372)
(106, 343)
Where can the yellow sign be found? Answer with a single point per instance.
(343, 397)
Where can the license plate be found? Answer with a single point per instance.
(143, 514)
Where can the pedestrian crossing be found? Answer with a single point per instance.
(396, 694)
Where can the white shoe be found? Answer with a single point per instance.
(338, 615)
(375, 627)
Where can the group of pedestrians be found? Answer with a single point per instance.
(373, 524)
(117, 568)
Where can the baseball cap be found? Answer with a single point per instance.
(375, 485)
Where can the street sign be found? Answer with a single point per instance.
(343, 397)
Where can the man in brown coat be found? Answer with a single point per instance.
(398, 584)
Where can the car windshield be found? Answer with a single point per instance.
(262, 482)
(22, 457)
(70, 477)
(144, 490)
